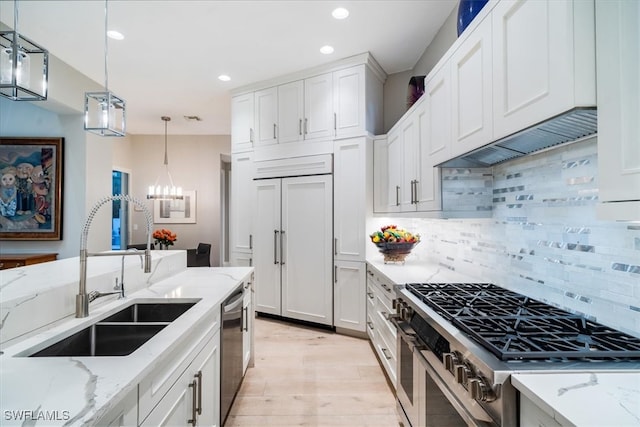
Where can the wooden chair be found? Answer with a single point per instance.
(199, 257)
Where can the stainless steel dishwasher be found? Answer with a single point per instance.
(230, 351)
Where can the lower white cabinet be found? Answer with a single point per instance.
(382, 333)
(194, 399)
(349, 295)
(123, 414)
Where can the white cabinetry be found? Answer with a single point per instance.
(242, 122)
(543, 61)
(266, 116)
(394, 166)
(618, 49)
(318, 107)
(380, 174)
(293, 250)
(382, 333)
(349, 295)
(123, 414)
(471, 91)
(247, 325)
(357, 98)
(532, 416)
(194, 399)
(352, 190)
(242, 205)
(291, 112)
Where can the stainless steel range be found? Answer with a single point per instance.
(458, 345)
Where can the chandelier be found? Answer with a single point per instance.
(164, 189)
(104, 112)
(24, 65)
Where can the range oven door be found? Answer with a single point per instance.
(424, 398)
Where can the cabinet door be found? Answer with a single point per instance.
(242, 122)
(532, 62)
(394, 169)
(242, 259)
(179, 406)
(380, 175)
(618, 50)
(242, 202)
(318, 107)
(266, 116)
(350, 295)
(409, 164)
(307, 262)
(472, 91)
(350, 191)
(290, 112)
(433, 138)
(247, 327)
(267, 254)
(349, 101)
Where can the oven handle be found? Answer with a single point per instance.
(407, 332)
(471, 418)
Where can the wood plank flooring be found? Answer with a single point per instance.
(310, 377)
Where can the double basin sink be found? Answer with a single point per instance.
(119, 334)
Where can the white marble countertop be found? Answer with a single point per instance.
(587, 399)
(88, 387)
(416, 271)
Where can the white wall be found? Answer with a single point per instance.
(194, 162)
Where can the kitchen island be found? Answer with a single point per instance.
(95, 390)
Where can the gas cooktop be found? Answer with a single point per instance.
(516, 328)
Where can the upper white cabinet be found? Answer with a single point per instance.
(471, 91)
(242, 126)
(618, 51)
(318, 107)
(543, 61)
(290, 112)
(266, 116)
(357, 98)
(242, 204)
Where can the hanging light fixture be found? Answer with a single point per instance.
(164, 189)
(21, 62)
(104, 112)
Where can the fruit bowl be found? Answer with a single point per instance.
(394, 243)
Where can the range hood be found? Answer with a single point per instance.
(566, 127)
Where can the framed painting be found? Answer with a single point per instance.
(31, 188)
(176, 211)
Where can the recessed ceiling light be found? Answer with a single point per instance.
(115, 35)
(326, 49)
(224, 77)
(340, 13)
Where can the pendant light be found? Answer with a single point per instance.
(164, 189)
(104, 112)
(24, 65)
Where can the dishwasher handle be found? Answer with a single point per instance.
(232, 303)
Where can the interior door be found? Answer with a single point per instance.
(307, 260)
(266, 256)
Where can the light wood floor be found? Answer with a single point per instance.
(311, 377)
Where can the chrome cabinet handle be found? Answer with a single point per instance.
(335, 246)
(306, 130)
(194, 401)
(397, 195)
(275, 246)
(282, 247)
(370, 324)
(335, 121)
(250, 241)
(384, 351)
(335, 274)
(274, 131)
(198, 377)
(370, 295)
(300, 127)
(246, 319)
(251, 135)
(250, 262)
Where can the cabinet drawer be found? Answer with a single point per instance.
(371, 297)
(371, 327)
(153, 388)
(387, 356)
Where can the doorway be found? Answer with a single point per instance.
(119, 211)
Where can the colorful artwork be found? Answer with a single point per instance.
(31, 188)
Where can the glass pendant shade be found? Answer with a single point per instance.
(104, 114)
(24, 68)
(163, 188)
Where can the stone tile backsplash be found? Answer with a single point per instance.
(543, 238)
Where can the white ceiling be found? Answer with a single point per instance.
(174, 50)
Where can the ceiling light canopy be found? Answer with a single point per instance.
(340, 13)
(163, 188)
(327, 50)
(105, 112)
(224, 77)
(24, 66)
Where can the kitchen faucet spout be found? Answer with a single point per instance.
(83, 298)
